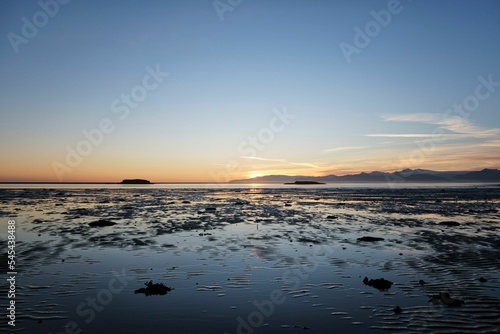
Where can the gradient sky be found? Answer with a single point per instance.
(227, 79)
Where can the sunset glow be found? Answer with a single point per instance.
(173, 92)
(254, 175)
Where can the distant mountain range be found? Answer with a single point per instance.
(406, 175)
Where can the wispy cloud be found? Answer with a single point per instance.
(347, 148)
(491, 143)
(401, 135)
(418, 117)
(283, 161)
(458, 125)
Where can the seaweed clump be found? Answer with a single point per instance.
(154, 289)
(379, 283)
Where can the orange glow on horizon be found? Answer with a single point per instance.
(114, 171)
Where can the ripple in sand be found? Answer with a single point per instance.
(332, 285)
(37, 287)
(196, 273)
(38, 318)
(299, 295)
(208, 287)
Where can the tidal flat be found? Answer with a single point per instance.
(255, 260)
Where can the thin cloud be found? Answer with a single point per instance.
(456, 124)
(491, 143)
(338, 149)
(401, 135)
(418, 117)
(283, 161)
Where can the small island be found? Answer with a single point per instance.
(135, 181)
(304, 182)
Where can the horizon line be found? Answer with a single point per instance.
(247, 179)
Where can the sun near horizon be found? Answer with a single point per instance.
(254, 175)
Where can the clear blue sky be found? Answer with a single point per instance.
(226, 79)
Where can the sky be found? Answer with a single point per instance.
(212, 91)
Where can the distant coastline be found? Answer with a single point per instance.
(486, 176)
(403, 176)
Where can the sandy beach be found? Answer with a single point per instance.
(255, 260)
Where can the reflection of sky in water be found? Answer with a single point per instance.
(249, 279)
(220, 263)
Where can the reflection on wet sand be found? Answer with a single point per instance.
(276, 259)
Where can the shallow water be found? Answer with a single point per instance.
(266, 260)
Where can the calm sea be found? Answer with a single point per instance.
(237, 186)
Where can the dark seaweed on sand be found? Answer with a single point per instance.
(370, 239)
(379, 283)
(446, 299)
(101, 223)
(154, 289)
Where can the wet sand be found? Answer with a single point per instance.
(255, 260)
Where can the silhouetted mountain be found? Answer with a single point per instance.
(485, 175)
(405, 175)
